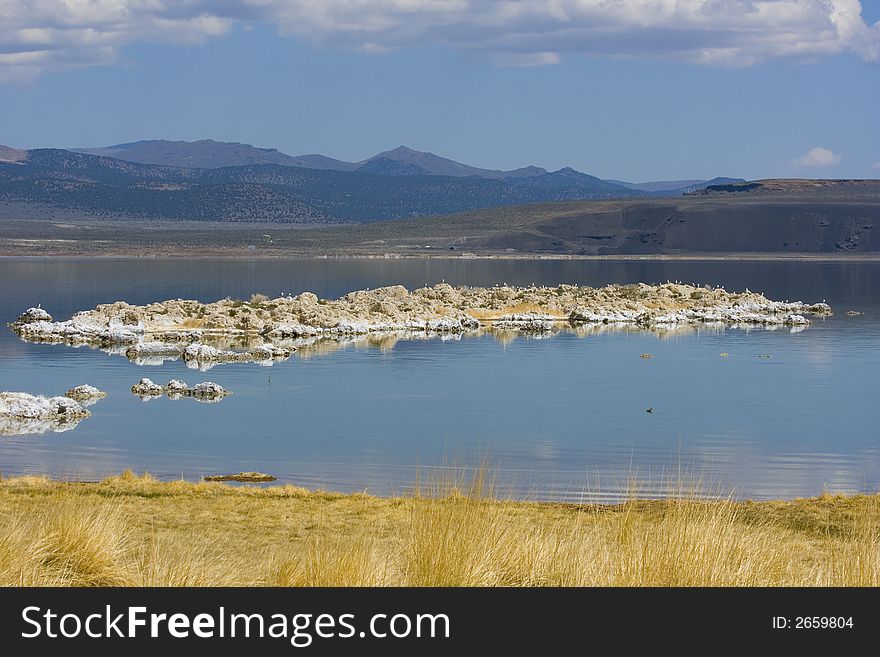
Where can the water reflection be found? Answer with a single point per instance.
(562, 415)
(322, 345)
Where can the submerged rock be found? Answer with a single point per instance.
(251, 477)
(21, 413)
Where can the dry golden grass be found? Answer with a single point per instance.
(134, 530)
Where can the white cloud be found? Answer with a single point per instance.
(39, 35)
(877, 165)
(818, 158)
(520, 59)
(51, 34)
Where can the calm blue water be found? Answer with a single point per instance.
(560, 418)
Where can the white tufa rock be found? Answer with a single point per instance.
(202, 356)
(528, 322)
(146, 388)
(176, 389)
(32, 315)
(85, 394)
(180, 328)
(269, 352)
(154, 349)
(207, 391)
(21, 413)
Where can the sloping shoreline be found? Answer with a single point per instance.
(830, 219)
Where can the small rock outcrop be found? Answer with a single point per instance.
(146, 388)
(208, 391)
(22, 413)
(175, 389)
(85, 394)
(32, 315)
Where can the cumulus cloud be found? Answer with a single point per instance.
(43, 34)
(39, 35)
(818, 158)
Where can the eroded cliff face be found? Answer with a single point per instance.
(267, 330)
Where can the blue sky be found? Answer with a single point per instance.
(640, 107)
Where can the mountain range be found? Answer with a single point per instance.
(222, 181)
(210, 154)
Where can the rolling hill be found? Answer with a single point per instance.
(210, 154)
(221, 181)
(46, 183)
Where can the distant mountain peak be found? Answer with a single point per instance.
(568, 171)
(389, 167)
(437, 165)
(405, 150)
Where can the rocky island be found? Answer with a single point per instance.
(269, 328)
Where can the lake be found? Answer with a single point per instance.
(559, 418)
